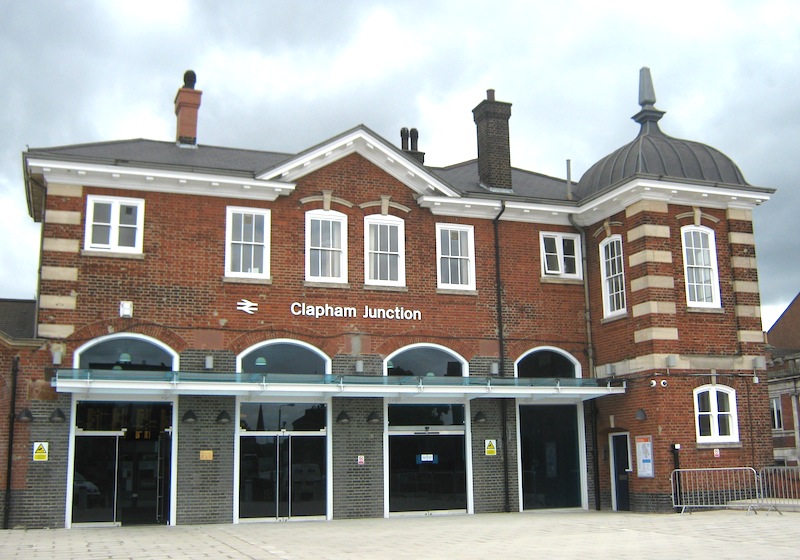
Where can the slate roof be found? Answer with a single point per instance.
(18, 318)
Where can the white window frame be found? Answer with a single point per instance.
(336, 252)
(113, 245)
(777, 412)
(610, 294)
(265, 243)
(469, 231)
(400, 251)
(714, 414)
(556, 270)
(708, 258)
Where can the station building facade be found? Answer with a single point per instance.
(226, 335)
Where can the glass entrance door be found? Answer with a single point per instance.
(121, 469)
(282, 476)
(427, 472)
(550, 459)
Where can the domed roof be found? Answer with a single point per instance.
(655, 154)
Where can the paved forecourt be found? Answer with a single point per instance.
(562, 534)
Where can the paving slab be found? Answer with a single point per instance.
(553, 534)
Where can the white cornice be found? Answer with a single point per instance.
(158, 180)
(370, 147)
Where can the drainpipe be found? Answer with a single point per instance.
(587, 315)
(11, 421)
(502, 350)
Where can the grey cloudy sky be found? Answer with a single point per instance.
(282, 76)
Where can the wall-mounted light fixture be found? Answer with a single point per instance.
(641, 414)
(494, 368)
(480, 418)
(759, 362)
(209, 363)
(124, 358)
(126, 309)
(57, 355)
(57, 416)
(223, 417)
(672, 361)
(359, 366)
(374, 417)
(343, 418)
(189, 417)
(25, 416)
(261, 361)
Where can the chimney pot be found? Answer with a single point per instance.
(187, 105)
(404, 138)
(414, 139)
(490, 95)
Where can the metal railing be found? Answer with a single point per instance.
(770, 488)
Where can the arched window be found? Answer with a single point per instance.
(426, 360)
(283, 356)
(128, 351)
(716, 419)
(545, 362)
(612, 270)
(700, 266)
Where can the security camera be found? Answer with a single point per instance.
(663, 382)
(652, 382)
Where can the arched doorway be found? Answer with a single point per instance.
(282, 443)
(549, 437)
(427, 461)
(122, 449)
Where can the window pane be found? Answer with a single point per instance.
(704, 421)
(247, 227)
(259, 229)
(102, 213)
(569, 247)
(336, 235)
(550, 244)
(552, 263)
(315, 233)
(724, 423)
(236, 227)
(703, 402)
(373, 237)
(723, 402)
(444, 270)
(101, 234)
(444, 245)
(127, 215)
(127, 237)
(236, 257)
(570, 265)
(394, 245)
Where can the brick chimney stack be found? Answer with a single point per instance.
(494, 151)
(187, 104)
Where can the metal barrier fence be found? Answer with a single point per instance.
(738, 487)
(780, 487)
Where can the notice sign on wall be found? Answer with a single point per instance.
(490, 447)
(644, 457)
(41, 450)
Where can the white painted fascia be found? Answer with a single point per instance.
(672, 192)
(372, 148)
(158, 180)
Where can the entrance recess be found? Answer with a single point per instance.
(427, 461)
(121, 469)
(283, 461)
(621, 468)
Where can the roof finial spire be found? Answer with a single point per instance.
(647, 93)
(647, 99)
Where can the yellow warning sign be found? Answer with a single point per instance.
(40, 450)
(491, 447)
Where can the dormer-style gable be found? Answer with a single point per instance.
(363, 141)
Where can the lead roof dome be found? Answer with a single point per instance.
(655, 154)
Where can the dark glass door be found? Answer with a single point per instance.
(282, 476)
(427, 473)
(122, 463)
(94, 482)
(550, 459)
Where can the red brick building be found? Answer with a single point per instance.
(225, 335)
